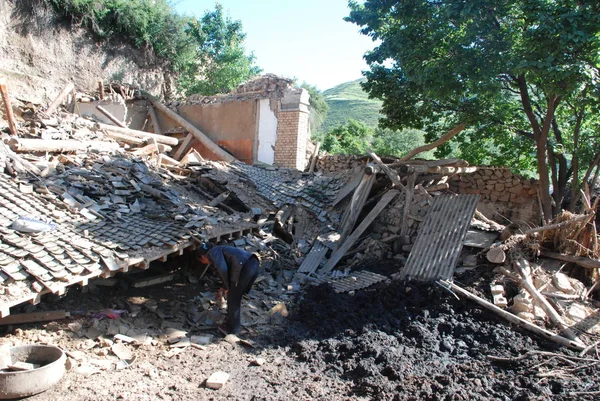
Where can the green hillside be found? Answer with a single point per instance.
(348, 101)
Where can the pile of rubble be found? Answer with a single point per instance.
(85, 199)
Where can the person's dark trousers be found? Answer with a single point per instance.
(234, 298)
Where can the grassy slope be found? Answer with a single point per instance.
(348, 101)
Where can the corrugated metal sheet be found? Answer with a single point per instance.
(441, 238)
(356, 281)
(314, 258)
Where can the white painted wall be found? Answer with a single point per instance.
(267, 133)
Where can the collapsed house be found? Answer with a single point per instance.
(89, 198)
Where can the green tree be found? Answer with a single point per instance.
(352, 138)
(389, 142)
(222, 62)
(318, 107)
(522, 74)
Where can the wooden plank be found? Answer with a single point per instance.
(357, 203)
(8, 107)
(154, 120)
(341, 251)
(588, 263)
(34, 317)
(480, 239)
(348, 188)
(60, 145)
(441, 238)
(183, 147)
(393, 176)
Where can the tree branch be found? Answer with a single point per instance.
(443, 139)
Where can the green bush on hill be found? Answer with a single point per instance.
(348, 101)
(207, 54)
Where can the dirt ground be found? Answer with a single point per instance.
(393, 341)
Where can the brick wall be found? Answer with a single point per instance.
(292, 134)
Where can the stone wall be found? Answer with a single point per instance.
(339, 163)
(505, 197)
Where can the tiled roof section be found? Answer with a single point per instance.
(283, 186)
(73, 251)
(106, 216)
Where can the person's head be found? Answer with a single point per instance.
(201, 253)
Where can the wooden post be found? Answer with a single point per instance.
(393, 176)
(183, 147)
(514, 319)
(521, 266)
(54, 105)
(8, 107)
(206, 141)
(341, 251)
(59, 145)
(101, 89)
(154, 120)
(167, 140)
(149, 149)
(124, 138)
(315, 155)
(409, 192)
(111, 117)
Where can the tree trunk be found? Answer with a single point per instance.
(540, 134)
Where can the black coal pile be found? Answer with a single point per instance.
(412, 341)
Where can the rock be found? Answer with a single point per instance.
(522, 303)
(562, 282)
(105, 342)
(577, 312)
(231, 339)
(217, 380)
(527, 316)
(258, 362)
(122, 351)
(75, 327)
(201, 340)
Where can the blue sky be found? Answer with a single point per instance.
(307, 40)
